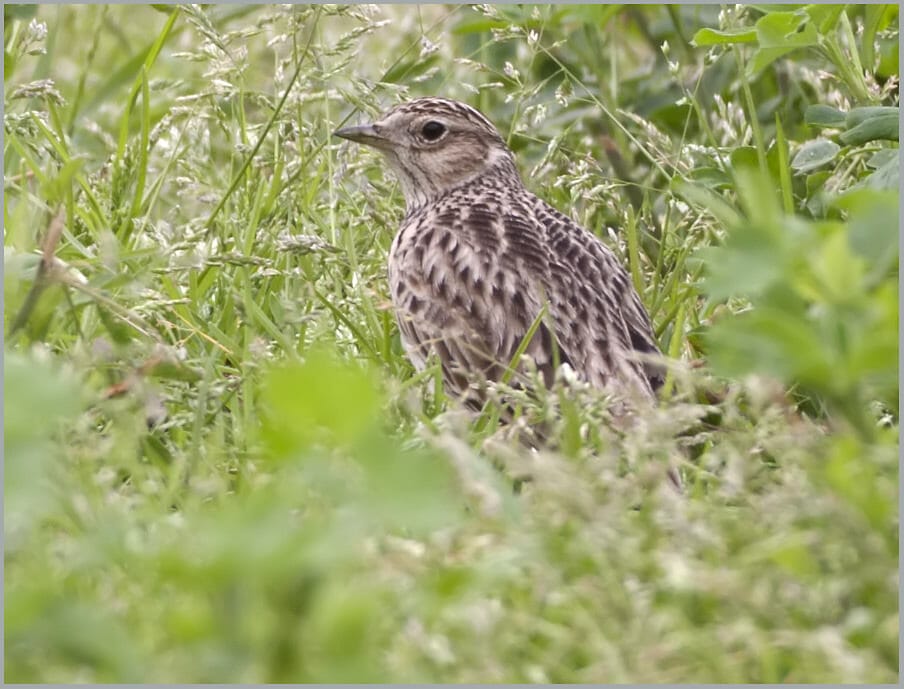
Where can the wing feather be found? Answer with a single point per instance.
(469, 280)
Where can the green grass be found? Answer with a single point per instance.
(219, 465)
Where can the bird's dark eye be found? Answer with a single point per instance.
(432, 130)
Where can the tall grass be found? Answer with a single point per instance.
(219, 465)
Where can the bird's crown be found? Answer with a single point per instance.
(444, 111)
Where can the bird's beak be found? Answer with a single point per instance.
(362, 134)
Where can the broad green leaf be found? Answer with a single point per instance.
(747, 268)
(881, 158)
(816, 197)
(824, 17)
(872, 225)
(706, 36)
(788, 30)
(860, 115)
(815, 183)
(778, 34)
(824, 116)
(764, 57)
(889, 59)
(882, 126)
(874, 16)
(886, 177)
(303, 400)
(406, 489)
(814, 154)
(744, 157)
(774, 342)
(834, 271)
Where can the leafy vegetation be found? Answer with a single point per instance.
(219, 465)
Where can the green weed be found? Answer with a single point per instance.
(219, 465)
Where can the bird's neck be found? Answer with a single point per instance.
(500, 169)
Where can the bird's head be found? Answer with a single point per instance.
(434, 145)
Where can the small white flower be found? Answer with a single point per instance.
(428, 47)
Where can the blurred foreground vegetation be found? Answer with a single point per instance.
(219, 466)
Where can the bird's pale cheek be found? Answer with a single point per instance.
(396, 163)
(454, 165)
(472, 159)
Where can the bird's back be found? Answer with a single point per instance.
(471, 271)
(600, 319)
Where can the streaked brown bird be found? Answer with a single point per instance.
(478, 257)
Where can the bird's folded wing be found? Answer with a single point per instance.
(598, 316)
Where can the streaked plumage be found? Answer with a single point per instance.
(478, 255)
